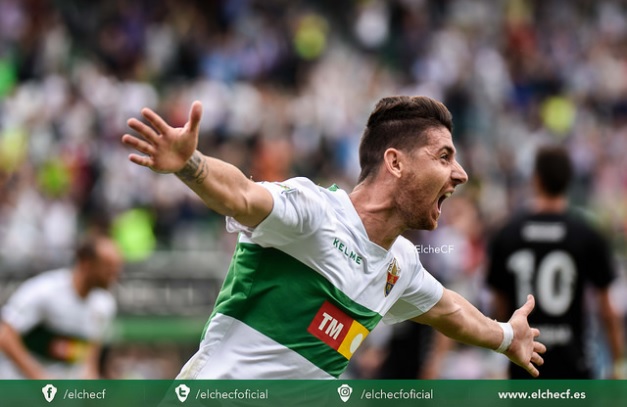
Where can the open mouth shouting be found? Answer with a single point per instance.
(441, 200)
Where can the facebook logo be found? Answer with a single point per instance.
(49, 392)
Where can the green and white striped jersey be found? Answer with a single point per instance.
(305, 288)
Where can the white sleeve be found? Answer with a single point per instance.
(298, 210)
(419, 297)
(25, 307)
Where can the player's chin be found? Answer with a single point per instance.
(425, 224)
(433, 222)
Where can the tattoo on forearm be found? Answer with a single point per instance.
(195, 170)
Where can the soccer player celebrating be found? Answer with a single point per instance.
(552, 253)
(315, 269)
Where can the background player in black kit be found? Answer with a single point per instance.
(552, 253)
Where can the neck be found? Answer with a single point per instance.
(377, 217)
(550, 204)
(80, 283)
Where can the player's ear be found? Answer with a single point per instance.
(392, 162)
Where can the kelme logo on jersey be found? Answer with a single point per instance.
(341, 332)
(394, 272)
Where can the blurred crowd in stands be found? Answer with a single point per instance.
(286, 88)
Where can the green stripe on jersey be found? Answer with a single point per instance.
(279, 296)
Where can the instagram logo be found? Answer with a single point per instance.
(345, 392)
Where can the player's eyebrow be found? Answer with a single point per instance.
(448, 149)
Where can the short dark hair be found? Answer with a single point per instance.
(399, 122)
(554, 169)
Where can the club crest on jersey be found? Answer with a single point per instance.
(394, 272)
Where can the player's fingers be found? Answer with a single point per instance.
(156, 121)
(532, 370)
(138, 144)
(536, 359)
(142, 160)
(539, 347)
(144, 130)
(528, 306)
(195, 114)
(535, 332)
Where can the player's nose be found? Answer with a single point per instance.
(458, 174)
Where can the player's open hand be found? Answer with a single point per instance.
(163, 148)
(525, 350)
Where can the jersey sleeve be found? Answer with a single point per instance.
(25, 308)
(299, 209)
(419, 297)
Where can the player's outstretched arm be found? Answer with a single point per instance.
(458, 319)
(222, 186)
